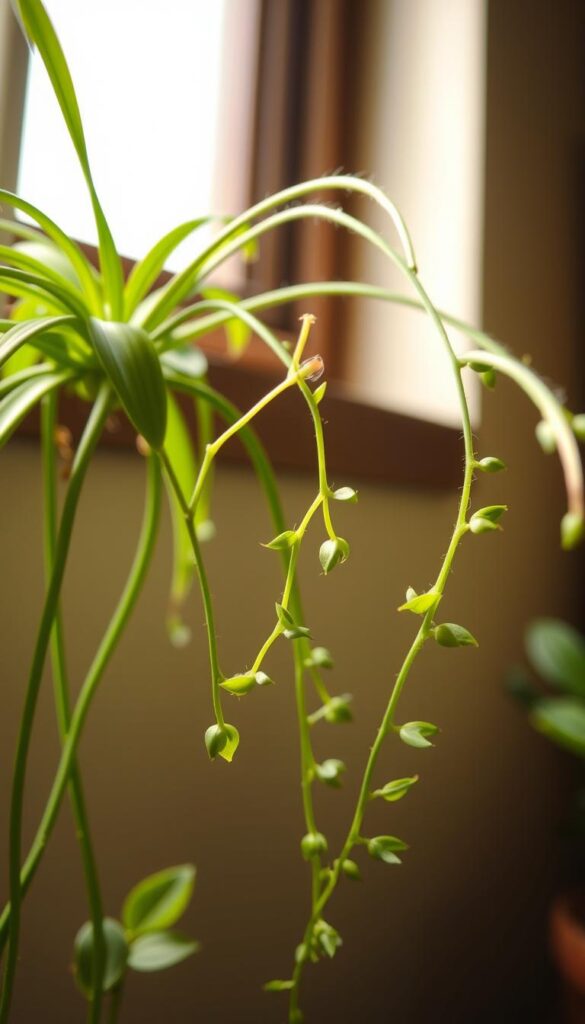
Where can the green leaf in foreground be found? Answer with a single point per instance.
(159, 950)
(159, 900)
(129, 359)
(415, 734)
(116, 955)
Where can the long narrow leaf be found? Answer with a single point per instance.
(17, 229)
(11, 276)
(83, 268)
(130, 360)
(145, 272)
(179, 449)
(8, 384)
(15, 406)
(26, 332)
(23, 260)
(40, 31)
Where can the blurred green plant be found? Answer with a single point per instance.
(128, 346)
(556, 652)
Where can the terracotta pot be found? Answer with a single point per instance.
(567, 930)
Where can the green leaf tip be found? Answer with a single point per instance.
(420, 604)
(396, 789)
(415, 734)
(240, 685)
(278, 986)
(283, 541)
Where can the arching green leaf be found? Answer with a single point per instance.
(159, 900)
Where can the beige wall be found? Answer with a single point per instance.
(457, 933)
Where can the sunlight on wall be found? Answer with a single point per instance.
(153, 99)
(422, 130)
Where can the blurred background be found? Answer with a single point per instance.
(471, 116)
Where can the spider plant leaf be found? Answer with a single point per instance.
(19, 401)
(77, 258)
(16, 229)
(51, 258)
(40, 260)
(25, 282)
(129, 359)
(40, 31)
(145, 272)
(33, 330)
(238, 332)
(179, 450)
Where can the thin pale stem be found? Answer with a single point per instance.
(110, 640)
(62, 705)
(80, 465)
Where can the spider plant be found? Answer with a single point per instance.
(120, 345)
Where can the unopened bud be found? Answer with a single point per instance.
(332, 552)
(312, 368)
(215, 740)
(572, 530)
(313, 844)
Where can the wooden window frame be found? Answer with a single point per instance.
(364, 442)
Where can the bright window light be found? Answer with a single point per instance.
(150, 80)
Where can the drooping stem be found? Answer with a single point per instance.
(62, 705)
(387, 723)
(85, 450)
(117, 624)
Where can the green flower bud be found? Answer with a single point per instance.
(345, 494)
(313, 844)
(489, 378)
(572, 530)
(338, 710)
(491, 465)
(449, 634)
(486, 519)
(330, 772)
(263, 680)
(216, 738)
(351, 870)
(319, 657)
(332, 552)
(545, 437)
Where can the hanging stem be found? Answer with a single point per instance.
(116, 627)
(62, 705)
(86, 448)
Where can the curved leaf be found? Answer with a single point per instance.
(145, 272)
(159, 950)
(40, 31)
(79, 261)
(159, 900)
(129, 359)
(41, 260)
(31, 330)
(19, 401)
(557, 652)
(563, 721)
(180, 453)
(35, 284)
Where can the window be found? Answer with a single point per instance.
(168, 141)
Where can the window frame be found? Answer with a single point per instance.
(364, 441)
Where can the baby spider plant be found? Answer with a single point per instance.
(120, 345)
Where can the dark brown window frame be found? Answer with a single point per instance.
(364, 442)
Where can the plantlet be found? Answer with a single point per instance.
(120, 345)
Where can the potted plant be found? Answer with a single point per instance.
(117, 344)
